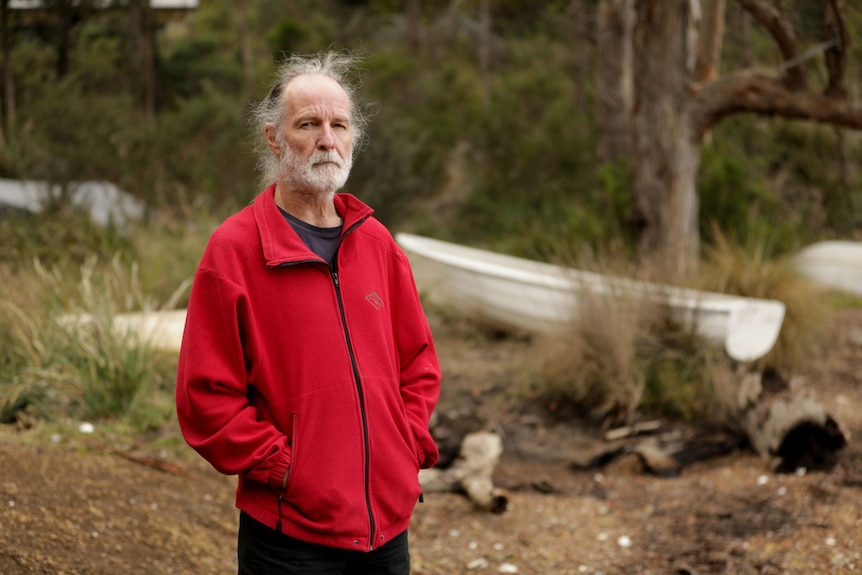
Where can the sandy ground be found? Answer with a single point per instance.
(91, 504)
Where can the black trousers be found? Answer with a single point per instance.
(264, 551)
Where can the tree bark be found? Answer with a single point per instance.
(711, 39)
(834, 29)
(485, 50)
(583, 17)
(143, 30)
(679, 97)
(149, 53)
(667, 150)
(248, 75)
(766, 93)
(786, 425)
(615, 22)
(413, 16)
(774, 18)
(6, 114)
(64, 25)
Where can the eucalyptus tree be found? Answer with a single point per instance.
(680, 93)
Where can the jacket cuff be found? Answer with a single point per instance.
(278, 473)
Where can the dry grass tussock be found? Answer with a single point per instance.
(745, 269)
(623, 355)
(55, 365)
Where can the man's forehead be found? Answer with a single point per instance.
(314, 90)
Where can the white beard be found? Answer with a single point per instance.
(304, 175)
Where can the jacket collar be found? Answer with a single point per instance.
(281, 244)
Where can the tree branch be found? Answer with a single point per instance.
(762, 92)
(779, 25)
(834, 28)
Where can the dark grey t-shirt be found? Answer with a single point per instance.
(322, 241)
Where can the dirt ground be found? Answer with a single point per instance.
(97, 503)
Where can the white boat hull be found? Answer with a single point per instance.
(539, 297)
(836, 264)
(163, 330)
(160, 330)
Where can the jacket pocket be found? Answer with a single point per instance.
(324, 481)
(293, 452)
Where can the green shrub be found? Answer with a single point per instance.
(66, 358)
(61, 233)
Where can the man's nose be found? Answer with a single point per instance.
(326, 139)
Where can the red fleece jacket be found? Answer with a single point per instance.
(314, 385)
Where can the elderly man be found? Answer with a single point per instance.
(307, 365)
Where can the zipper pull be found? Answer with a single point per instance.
(335, 278)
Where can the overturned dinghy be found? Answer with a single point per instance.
(160, 330)
(835, 264)
(523, 294)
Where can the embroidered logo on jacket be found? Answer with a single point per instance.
(375, 300)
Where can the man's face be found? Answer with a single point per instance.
(314, 145)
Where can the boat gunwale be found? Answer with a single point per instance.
(735, 309)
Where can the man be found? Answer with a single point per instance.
(307, 365)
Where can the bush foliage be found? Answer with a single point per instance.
(482, 139)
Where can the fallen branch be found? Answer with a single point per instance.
(471, 473)
(159, 464)
(786, 424)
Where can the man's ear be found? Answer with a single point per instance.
(272, 141)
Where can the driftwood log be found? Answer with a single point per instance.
(786, 424)
(781, 420)
(471, 473)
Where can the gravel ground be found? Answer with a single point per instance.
(84, 504)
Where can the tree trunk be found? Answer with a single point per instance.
(711, 39)
(615, 22)
(413, 17)
(583, 16)
(5, 74)
(150, 51)
(667, 149)
(485, 50)
(248, 75)
(143, 29)
(64, 26)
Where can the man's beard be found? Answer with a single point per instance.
(324, 172)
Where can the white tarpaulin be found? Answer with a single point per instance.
(104, 201)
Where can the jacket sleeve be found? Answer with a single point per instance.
(213, 408)
(420, 368)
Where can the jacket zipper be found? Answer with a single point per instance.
(287, 473)
(367, 472)
(361, 407)
(334, 274)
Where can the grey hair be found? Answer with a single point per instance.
(341, 67)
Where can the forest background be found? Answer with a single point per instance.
(487, 130)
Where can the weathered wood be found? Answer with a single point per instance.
(471, 473)
(781, 420)
(786, 424)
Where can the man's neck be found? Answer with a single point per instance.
(317, 209)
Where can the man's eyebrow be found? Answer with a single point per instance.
(302, 118)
